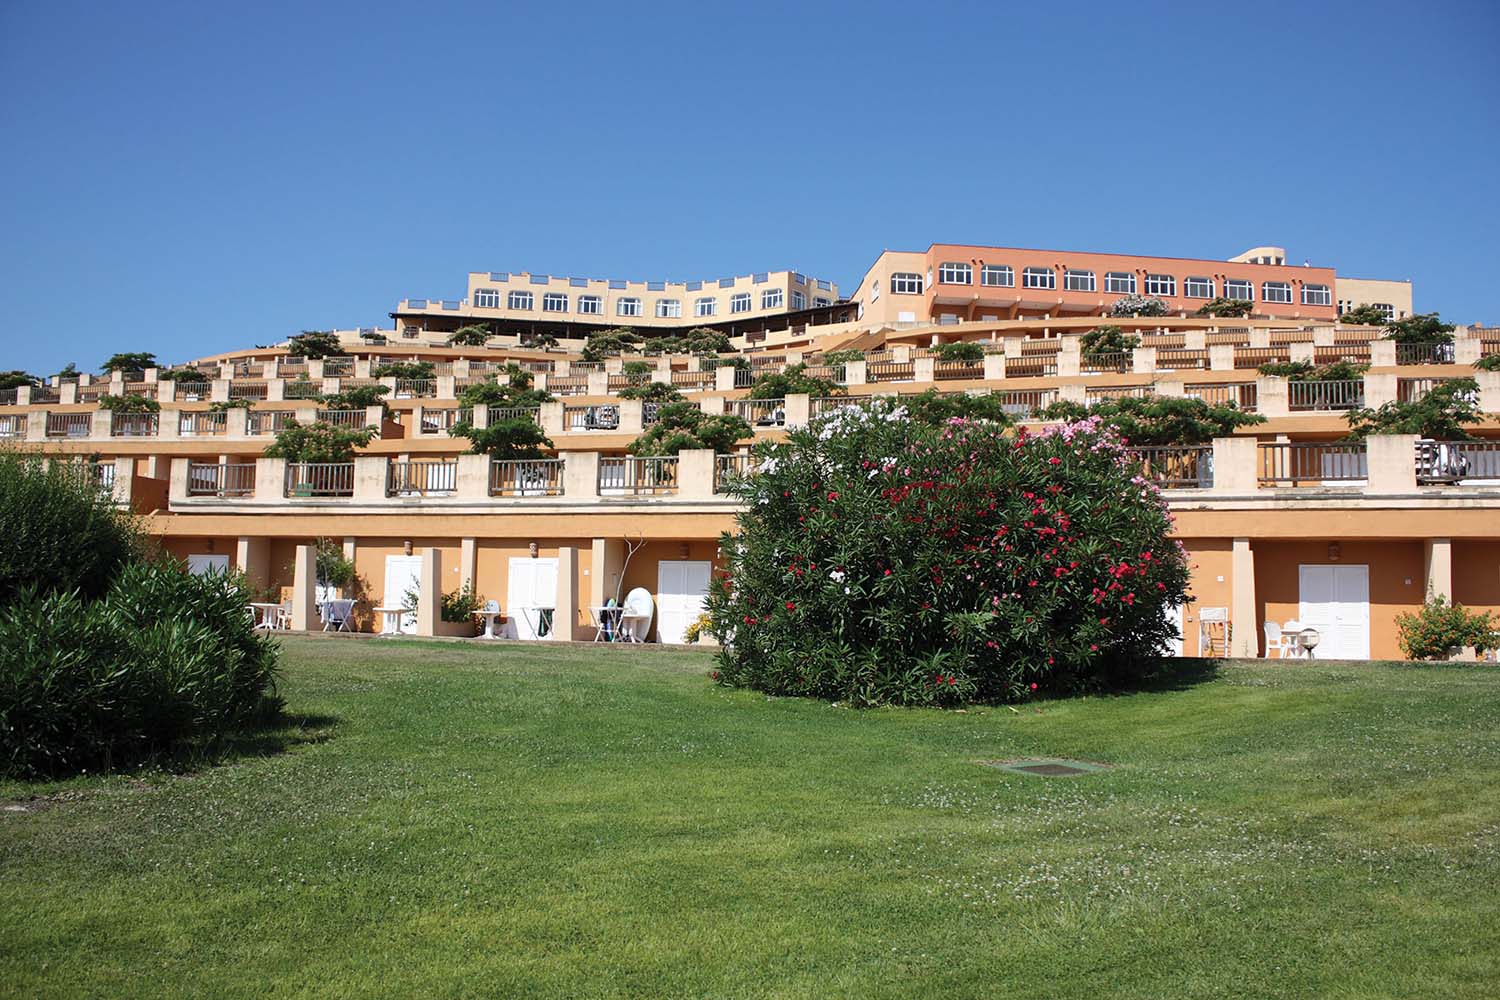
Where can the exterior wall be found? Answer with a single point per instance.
(879, 304)
(1476, 574)
(1352, 292)
(1209, 584)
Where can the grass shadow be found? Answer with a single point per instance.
(275, 735)
(1180, 673)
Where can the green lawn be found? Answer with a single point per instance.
(467, 820)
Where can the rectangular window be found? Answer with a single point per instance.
(1276, 291)
(1119, 282)
(819, 301)
(800, 279)
(997, 276)
(874, 289)
(705, 307)
(656, 286)
(953, 273)
(824, 285)
(578, 282)
(617, 283)
(771, 298)
(1239, 289)
(726, 282)
(486, 298)
(1316, 295)
(906, 283)
(1078, 281)
(1039, 277)
(628, 307)
(761, 278)
(590, 305)
(1198, 288)
(799, 301)
(695, 286)
(668, 308)
(740, 303)
(554, 302)
(1161, 284)
(518, 300)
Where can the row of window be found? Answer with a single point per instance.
(759, 278)
(1115, 282)
(593, 305)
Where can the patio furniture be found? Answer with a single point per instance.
(283, 619)
(635, 621)
(336, 614)
(490, 612)
(1277, 641)
(606, 621)
(538, 618)
(390, 620)
(263, 615)
(1291, 637)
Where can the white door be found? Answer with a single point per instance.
(680, 590)
(402, 573)
(201, 564)
(1335, 600)
(530, 590)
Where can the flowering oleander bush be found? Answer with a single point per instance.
(1440, 627)
(884, 560)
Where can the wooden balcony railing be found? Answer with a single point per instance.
(526, 477)
(320, 479)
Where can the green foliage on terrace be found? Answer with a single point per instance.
(1440, 415)
(961, 350)
(1107, 339)
(314, 344)
(356, 397)
(937, 408)
(637, 368)
(842, 357)
(1138, 305)
(318, 442)
(1423, 328)
(1306, 371)
(699, 340)
(1364, 315)
(652, 392)
(681, 425)
(129, 362)
(1144, 421)
(1221, 306)
(132, 402)
(405, 370)
(469, 336)
(15, 379)
(1442, 627)
(610, 343)
(792, 380)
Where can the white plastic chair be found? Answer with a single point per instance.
(1275, 640)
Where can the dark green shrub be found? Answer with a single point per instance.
(314, 344)
(1220, 306)
(1440, 627)
(60, 531)
(885, 560)
(681, 426)
(469, 336)
(961, 350)
(1440, 414)
(1107, 339)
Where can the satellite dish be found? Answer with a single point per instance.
(638, 602)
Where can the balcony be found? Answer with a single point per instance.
(213, 479)
(320, 479)
(1311, 464)
(526, 478)
(421, 478)
(199, 423)
(631, 476)
(69, 425)
(134, 425)
(1341, 394)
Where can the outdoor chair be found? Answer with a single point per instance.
(1275, 640)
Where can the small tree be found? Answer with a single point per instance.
(318, 442)
(844, 357)
(132, 402)
(405, 370)
(510, 438)
(225, 405)
(333, 568)
(652, 392)
(1138, 305)
(1306, 371)
(15, 379)
(1220, 306)
(609, 343)
(1441, 627)
(637, 368)
(1107, 339)
(1488, 363)
(1423, 328)
(682, 426)
(793, 379)
(69, 373)
(356, 397)
(961, 350)
(535, 341)
(1365, 315)
(1145, 421)
(937, 409)
(129, 362)
(469, 336)
(1439, 415)
(314, 344)
(183, 375)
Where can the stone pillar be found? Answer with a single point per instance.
(924, 370)
(177, 485)
(1244, 639)
(1069, 363)
(614, 366)
(36, 425)
(580, 474)
(1235, 470)
(1380, 389)
(1194, 340)
(599, 383)
(252, 556)
(711, 405)
(1382, 354)
(370, 477)
(218, 391)
(1073, 392)
(479, 416)
(1171, 388)
(270, 480)
(565, 614)
(1260, 336)
(473, 477)
(468, 561)
(305, 588)
(67, 393)
(632, 419)
(101, 423)
(1466, 351)
(1143, 360)
(1271, 396)
(994, 367)
(237, 423)
(375, 417)
(447, 387)
(1323, 336)
(901, 353)
(1437, 553)
(362, 368)
(429, 597)
(798, 409)
(854, 373)
(1391, 461)
(1489, 391)
(1302, 350)
(695, 474)
(551, 417)
(1221, 357)
(608, 565)
(275, 390)
(724, 378)
(166, 391)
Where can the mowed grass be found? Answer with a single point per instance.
(503, 820)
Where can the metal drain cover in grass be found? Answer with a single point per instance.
(1047, 767)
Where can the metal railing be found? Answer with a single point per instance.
(334, 367)
(211, 479)
(436, 420)
(1284, 463)
(302, 389)
(249, 390)
(320, 479)
(890, 371)
(1410, 390)
(1177, 467)
(134, 424)
(69, 425)
(1110, 361)
(1449, 462)
(837, 374)
(421, 477)
(758, 412)
(633, 476)
(823, 405)
(744, 378)
(202, 423)
(731, 467)
(259, 422)
(694, 380)
(1424, 354)
(348, 419)
(525, 477)
(1181, 358)
(1024, 404)
(1099, 394)
(1350, 354)
(8, 396)
(1254, 357)
(624, 380)
(1030, 365)
(190, 392)
(499, 413)
(416, 388)
(1341, 394)
(568, 385)
(1244, 395)
(604, 417)
(12, 425)
(943, 370)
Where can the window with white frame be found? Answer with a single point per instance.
(1038, 277)
(668, 308)
(554, 302)
(628, 307)
(590, 305)
(906, 283)
(1119, 282)
(874, 289)
(954, 273)
(1317, 295)
(740, 302)
(486, 298)
(799, 301)
(1276, 291)
(1239, 289)
(771, 298)
(518, 300)
(1078, 281)
(1161, 284)
(1198, 288)
(1386, 308)
(997, 276)
(819, 301)
(705, 306)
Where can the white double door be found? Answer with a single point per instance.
(200, 565)
(1335, 600)
(402, 574)
(531, 598)
(680, 590)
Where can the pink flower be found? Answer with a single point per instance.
(790, 606)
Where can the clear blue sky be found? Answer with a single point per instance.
(188, 178)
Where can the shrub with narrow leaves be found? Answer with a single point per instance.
(883, 560)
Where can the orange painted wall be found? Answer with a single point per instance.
(1209, 560)
(1392, 564)
(1476, 574)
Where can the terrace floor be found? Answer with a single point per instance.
(456, 819)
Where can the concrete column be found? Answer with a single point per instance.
(994, 367)
(1171, 388)
(1392, 463)
(1466, 351)
(724, 378)
(580, 474)
(1194, 340)
(473, 477)
(854, 373)
(599, 383)
(369, 477)
(632, 420)
(23, 395)
(177, 485)
(67, 393)
(1489, 391)
(712, 405)
(1244, 639)
(1068, 362)
(1221, 357)
(551, 416)
(614, 366)
(1271, 396)
(798, 409)
(562, 366)
(36, 425)
(924, 370)
(275, 390)
(447, 387)
(1380, 389)
(237, 423)
(1260, 336)
(565, 614)
(1302, 350)
(608, 565)
(429, 597)
(101, 422)
(270, 480)
(123, 489)
(901, 353)
(468, 562)
(1073, 392)
(1323, 336)
(305, 588)
(695, 474)
(1143, 360)
(218, 391)
(362, 368)
(1382, 354)
(1437, 553)
(479, 416)
(1235, 470)
(252, 556)
(375, 417)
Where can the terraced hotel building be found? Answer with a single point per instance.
(1283, 520)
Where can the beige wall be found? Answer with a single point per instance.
(1352, 292)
